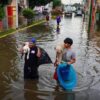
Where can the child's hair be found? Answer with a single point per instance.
(69, 41)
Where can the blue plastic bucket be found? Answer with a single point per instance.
(65, 72)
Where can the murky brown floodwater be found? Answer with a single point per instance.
(86, 46)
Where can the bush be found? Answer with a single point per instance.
(56, 12)
(5, 2)
(56, 3)
(28, 13)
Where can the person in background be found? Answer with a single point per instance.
(47, 19)
(58, 20)
(31, 60)
(65, 53)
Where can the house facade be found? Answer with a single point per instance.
(11, 13)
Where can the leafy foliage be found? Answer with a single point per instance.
(33, 3)
(56, 3)
(5, 2)
(2, 14)
(28, 13)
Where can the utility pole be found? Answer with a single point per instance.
(90, 17)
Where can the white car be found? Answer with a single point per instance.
(78, 13)
(68, 11)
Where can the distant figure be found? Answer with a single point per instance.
(58, 20)
(47, 18)
(83, 13)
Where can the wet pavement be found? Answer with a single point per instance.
(86, 46)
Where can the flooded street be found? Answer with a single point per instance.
(86, 46)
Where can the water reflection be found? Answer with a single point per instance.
(30, 85)
(8, 69)
(65, 96)
(30, 94)
(58, 29)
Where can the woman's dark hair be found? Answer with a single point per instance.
(69, 41)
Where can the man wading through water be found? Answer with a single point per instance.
(64, 54)
(31, 60)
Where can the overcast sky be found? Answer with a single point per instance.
(72, 1)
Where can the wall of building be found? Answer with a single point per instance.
(90, 12)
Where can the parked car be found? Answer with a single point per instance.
(68, 14)
(68, 11)
(78, 13)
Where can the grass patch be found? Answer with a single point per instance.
(30, 24)
(53, 16)
(6, 32)
(38, 21)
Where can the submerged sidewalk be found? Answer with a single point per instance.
(13, 31)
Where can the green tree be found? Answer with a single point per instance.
(5, 2)
(56, 3)
(33, 3)
(2, 14)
